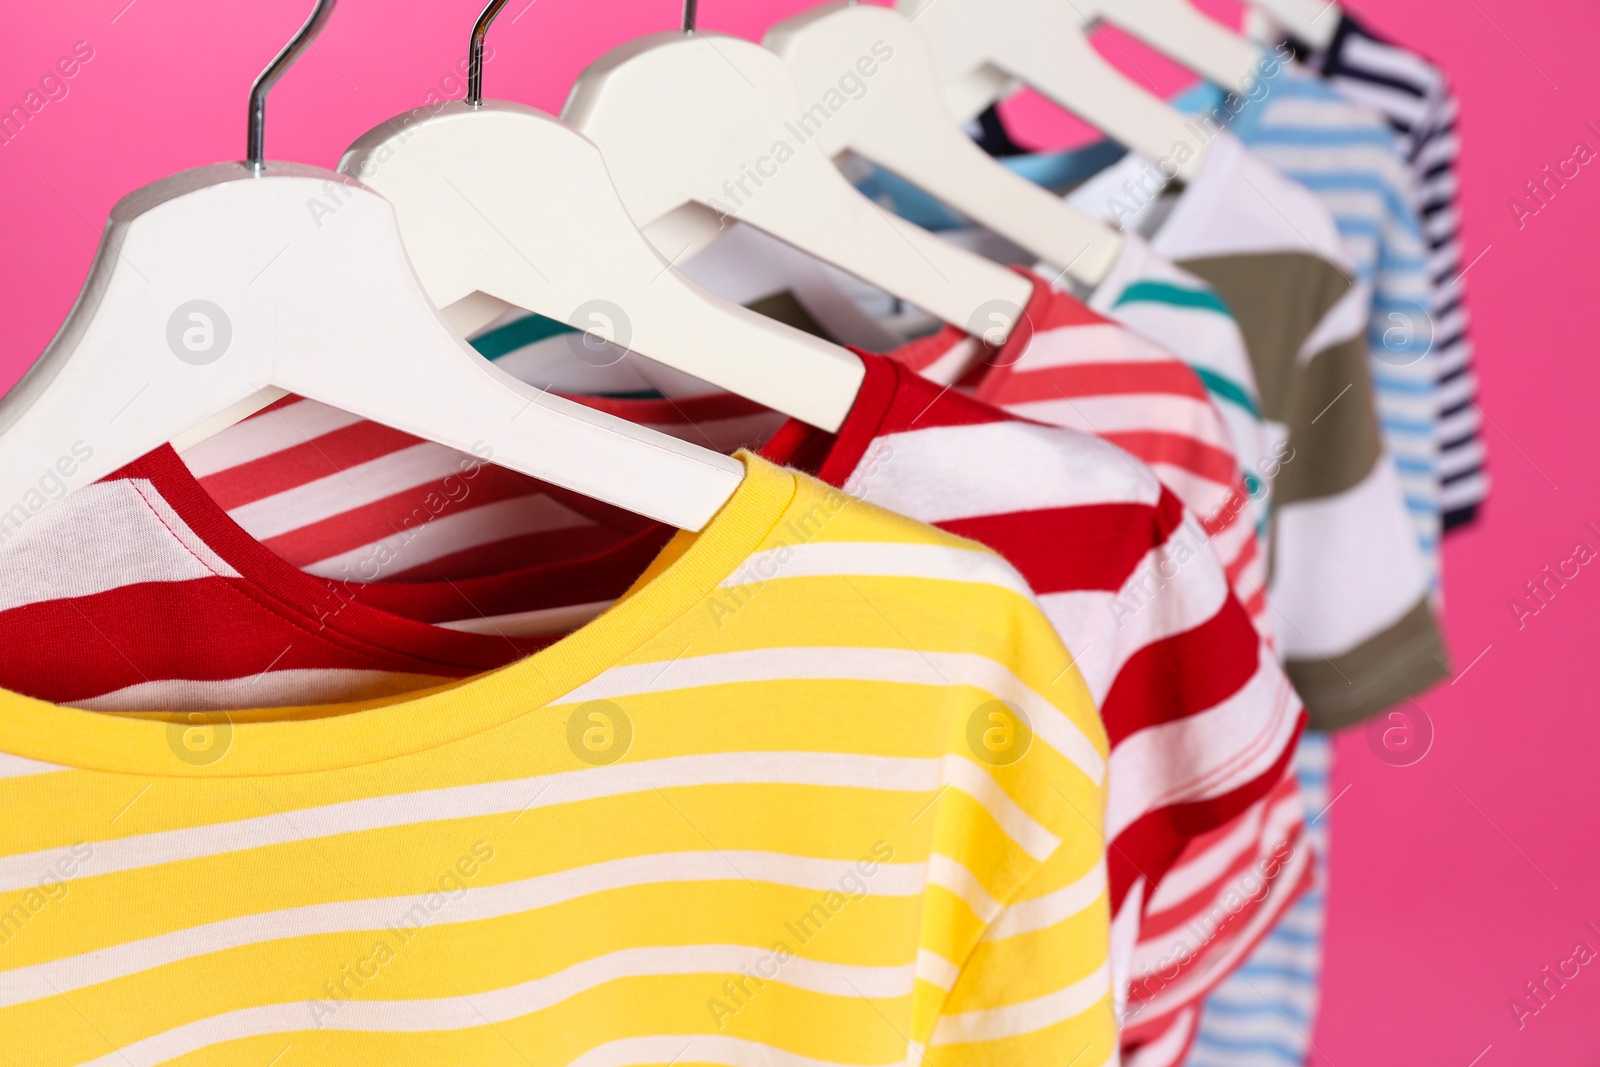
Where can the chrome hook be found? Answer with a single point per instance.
(690, 10)
(480, 32)
(255, 154)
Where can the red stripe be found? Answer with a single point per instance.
(580, 576)
(1178, 450)
(926, 351)
(149, 632)
(679, 411)
(1155, 841)
(304, 463)
(1141, 1030)
(1157, 924)
(924, 405)
(1183, 674)
(1163, 377)
(497, 558)
(395, 516)
(1092, 547)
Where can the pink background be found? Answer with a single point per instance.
(1456, 879)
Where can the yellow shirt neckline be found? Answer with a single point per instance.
(302, 741)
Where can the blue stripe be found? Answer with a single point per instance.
(1304, 976)
(1266, 1045)
(1404, 426)
(1294, 937)
(1332, 136)
(1219, 1006)
(1402, 385)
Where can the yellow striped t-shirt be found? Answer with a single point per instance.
(823, 789)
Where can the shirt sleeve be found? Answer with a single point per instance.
(1037, 987)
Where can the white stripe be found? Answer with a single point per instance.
(269, 689)
(947, 473)
(963, 774)
(994, 1024)
(276, 431)
(1175, 588)
(1203, 755)
(820, 770)
(1195, 981)
(939, 563)
(1266, 839)
(1168, 1049)
(725, 1051)
(949, 874)
(1347, 567)
(724, 435)
(428, 909)
(1391, 102)
(1154, 412)
(102, 537)
(1073, 346)
(18, 767)
(899, 666)
(1347, 319)
(468, 1012)
(1373, 57)
(546, 622)
(1024, 917)
(1195, 873)
(936, 970)
(448, 532)
(354, 487)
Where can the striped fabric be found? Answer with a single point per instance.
(1071, 366)
(1263, 1015)
(1354, 163)
(599, 855)
(1349, 585)
(1168, 303)
(1143, 291)
(1157, 299)
(1201, 719)
(1416, 98)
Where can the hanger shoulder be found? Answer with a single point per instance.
(225, 282)
(902, 124)
(982, 48)
(1181, 31)
(717, 121)
(507, 201)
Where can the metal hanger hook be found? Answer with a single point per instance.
(690, 13)
(480, 33)
(255, 151)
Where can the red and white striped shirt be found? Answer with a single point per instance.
(183, 608)
(1068, 365)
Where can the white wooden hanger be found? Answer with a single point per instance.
(1182, 32)
(502, 200)
(1313, 22)
(903, 124)
(692, 124)
(220, 284)
(983, 49)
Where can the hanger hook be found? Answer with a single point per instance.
(690, 10)
(480, 33)
(255, 155)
